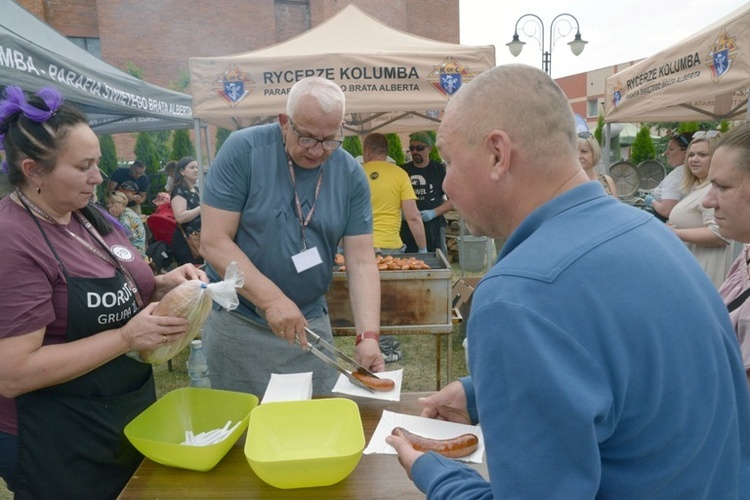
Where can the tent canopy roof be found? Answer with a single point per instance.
(33, 55)
(704, 77)
(393, 81)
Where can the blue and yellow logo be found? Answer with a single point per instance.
(233, 85)
(448, 76)
(721, 55)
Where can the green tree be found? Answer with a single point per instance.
(108, 162)
(435, 152)
(221, 136)
(352, 144)
(182, 82)
(145, 151)
(598, 130)
(643, 146)
(134, 70)
(161, 140)
(182, 145)
(395, 149)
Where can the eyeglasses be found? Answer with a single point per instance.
(584, 135)
(311, 142)
(705, 134)
(417, 148)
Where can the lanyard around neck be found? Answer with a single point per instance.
(108, 258)
(304, 221)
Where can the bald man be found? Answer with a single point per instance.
(603, 362)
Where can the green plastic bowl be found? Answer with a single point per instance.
(301, 444)
(158, 431)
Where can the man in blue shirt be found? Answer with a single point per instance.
(278, 199)
(602, 360)
(132, 181)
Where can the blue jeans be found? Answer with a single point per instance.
(8, 459)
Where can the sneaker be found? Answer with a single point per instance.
(393, 356)
(390, 348)
(386, 344)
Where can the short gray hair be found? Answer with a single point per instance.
(521, 100)
(328, 94)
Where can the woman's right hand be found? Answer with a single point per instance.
(146, 332)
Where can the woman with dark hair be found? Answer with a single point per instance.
(186, 206)
(669, 192)
(76, 297)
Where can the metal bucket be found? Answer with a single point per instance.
(472, 252)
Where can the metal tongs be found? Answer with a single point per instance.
(315, 343)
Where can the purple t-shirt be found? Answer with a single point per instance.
(34, 292)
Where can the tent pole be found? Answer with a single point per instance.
(199, 154)
(208, 145)
(607, 146)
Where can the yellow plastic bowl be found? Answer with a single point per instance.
(158, 431)
(301, 444)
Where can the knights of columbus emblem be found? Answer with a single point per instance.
(233, 85)
(448, 76)
(721, 55)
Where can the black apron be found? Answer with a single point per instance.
(70, 436)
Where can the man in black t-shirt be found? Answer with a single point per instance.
(427, 180)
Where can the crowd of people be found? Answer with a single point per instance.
(609, 350)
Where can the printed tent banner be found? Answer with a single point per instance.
(704, 77)
(33, 55)
(393, 81)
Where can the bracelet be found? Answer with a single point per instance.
(366, 335)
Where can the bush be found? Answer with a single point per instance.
(353, 145)
(395, 149)
(643, 146)
(145, 151)
(182, 145)
(221, 136)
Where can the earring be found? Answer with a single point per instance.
(38, 190)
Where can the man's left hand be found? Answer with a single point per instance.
(427, 215)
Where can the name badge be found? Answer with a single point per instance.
(307, 259)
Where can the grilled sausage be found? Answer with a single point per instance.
(376, 384)
(456, 447)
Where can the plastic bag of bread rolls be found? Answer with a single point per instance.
(192, 300)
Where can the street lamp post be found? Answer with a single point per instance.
(576, 46)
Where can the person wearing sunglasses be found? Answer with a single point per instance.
(427, 180)
(668, 193)
(589, 154)
(277, 200)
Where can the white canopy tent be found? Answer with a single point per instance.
(703, 77)
(394, 81)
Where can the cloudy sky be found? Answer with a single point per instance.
(617, 32)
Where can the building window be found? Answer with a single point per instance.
(90, 45)
(593, 108)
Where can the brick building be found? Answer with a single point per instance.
(159, 36)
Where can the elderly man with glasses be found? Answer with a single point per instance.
(278, 199)
(427, 180)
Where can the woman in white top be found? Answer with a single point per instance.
(668, 192)
(693, 223)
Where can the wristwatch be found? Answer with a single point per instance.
(366, 335)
